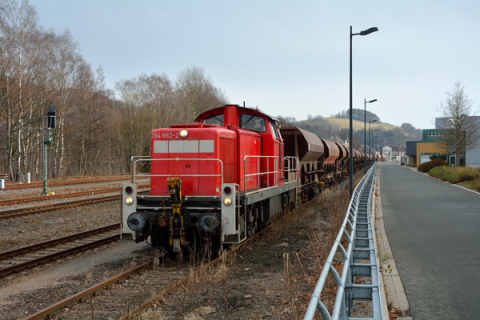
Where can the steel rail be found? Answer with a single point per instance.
(19, 212)
(49, 311)
(56, 184)
(360, 247)
(11, 213)
(57, 255)
(62, 196)
(50, 243)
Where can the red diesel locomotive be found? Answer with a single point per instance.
(225, 177)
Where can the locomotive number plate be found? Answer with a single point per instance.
(165, 135)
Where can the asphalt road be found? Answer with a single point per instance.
(434, 232)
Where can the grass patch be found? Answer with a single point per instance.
(474, 185)
(456, 174)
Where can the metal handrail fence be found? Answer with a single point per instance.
(360, 247)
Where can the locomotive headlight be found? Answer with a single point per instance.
(128, 201)
(183, 133)
(227, 201)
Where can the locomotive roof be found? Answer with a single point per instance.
(220, 110)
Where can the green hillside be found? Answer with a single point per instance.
(341, 123)
(386, 134)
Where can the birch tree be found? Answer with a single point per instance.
(18, 27)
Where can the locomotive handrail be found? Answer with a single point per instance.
(290, 167)
(359, 222)
(245, 175)
(178, 175)
(134, 164)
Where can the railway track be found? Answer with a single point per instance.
(125, 296)
(20, 212)
(62, 196)
(27, 257)
(9, 186)
(130, 293)
(114, 297)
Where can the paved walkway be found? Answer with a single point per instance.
(434, 233)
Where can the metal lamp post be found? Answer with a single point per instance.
(365, 128)
(363, 33)
(370, 136)
(51, 124)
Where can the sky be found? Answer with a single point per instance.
(289, 58)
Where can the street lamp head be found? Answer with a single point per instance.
(368, 31)
(372, 100)
(374, 120)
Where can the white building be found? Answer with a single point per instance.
(387, 152)
(472, 156)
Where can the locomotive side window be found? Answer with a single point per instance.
(253, 122)
(274, 130)
(218, 120)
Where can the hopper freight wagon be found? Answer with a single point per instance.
(307, 148)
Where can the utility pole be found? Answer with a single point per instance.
(51, 124)
(363, 33)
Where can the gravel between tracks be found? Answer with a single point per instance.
(28, 230)
(40, 287)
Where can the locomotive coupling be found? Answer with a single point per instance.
(177, 228)
(175, 187)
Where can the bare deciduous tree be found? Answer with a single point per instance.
(459, 123)
(195, 93)
(95, 134)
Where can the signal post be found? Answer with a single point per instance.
(48, 139)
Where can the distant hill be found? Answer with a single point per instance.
(339, 126)
(387, 134)
(341, 123)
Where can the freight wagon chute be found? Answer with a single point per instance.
(308, 148)
(332, 153)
